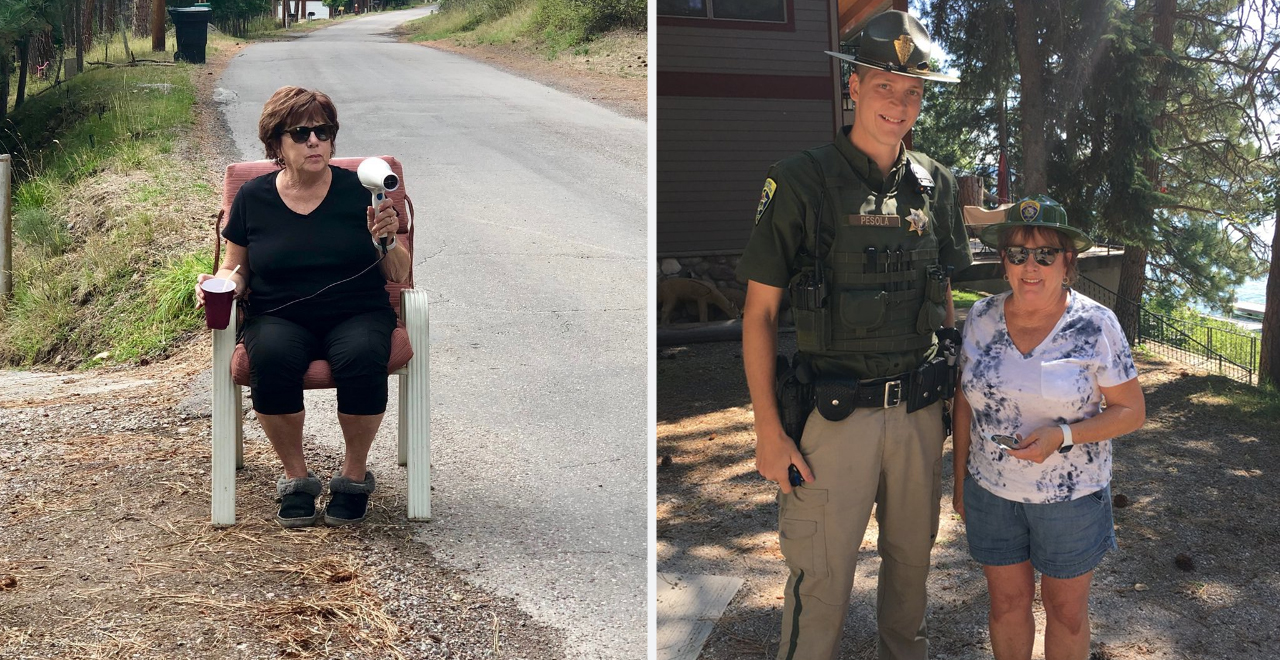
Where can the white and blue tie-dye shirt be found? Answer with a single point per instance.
(1056, 383)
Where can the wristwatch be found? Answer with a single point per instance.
(1067, 443)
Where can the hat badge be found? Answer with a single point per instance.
(1029, 211)
(904, 45)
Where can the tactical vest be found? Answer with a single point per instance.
(873, 284)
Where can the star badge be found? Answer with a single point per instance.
(919, 222)
(904, 46)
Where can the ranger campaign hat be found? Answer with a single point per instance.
(1038, 211)
(896, 42)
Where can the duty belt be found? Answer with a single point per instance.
(836, 398)
(882, 392)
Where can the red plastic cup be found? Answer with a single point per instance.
(218, 294)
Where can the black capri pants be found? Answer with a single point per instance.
(357, 348)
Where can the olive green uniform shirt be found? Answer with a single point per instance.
(780, 245)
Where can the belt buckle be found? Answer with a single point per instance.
(894, 387)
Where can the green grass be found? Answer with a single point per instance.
(104, 219)
(964, 298)
(1260, 403)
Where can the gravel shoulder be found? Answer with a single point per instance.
(613, 72)
(1193, 577)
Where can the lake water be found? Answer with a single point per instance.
(1255, 291)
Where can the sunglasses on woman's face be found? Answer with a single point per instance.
(1045, 256)
(299, 134)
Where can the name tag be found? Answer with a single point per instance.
(875, 221)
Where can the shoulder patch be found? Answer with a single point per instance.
(765, 196)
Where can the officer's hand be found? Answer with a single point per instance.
(957, 498)
(1039, 445)
(775, 452)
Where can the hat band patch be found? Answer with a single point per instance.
(1029, 210)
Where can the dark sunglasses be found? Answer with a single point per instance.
(299, 134)
(1045, 256)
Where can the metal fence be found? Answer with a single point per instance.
(1231, 353)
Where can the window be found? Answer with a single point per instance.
(773, 11)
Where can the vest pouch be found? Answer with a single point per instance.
(931, 317)
(862, 311)
(934, 310)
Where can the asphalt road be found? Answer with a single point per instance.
(531, 240)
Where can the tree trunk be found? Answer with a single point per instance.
(1034, 155)
(157, 26)
(24, 60)
(6, 69)
(86, 23)
(1133, 278)
(1269, 356)
(82, 12)
(1133, 269)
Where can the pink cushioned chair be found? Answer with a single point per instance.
(231, 365)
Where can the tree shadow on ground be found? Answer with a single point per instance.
(1199, 481)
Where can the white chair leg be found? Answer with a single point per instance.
(239, 428)
(402, 426)
(418, 404)
(223, 478)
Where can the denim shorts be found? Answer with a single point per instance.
(1062, 539)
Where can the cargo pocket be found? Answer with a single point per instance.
(801, 533)
(937, 499)
(862, 310)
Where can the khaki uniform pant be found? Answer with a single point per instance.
(875, 455)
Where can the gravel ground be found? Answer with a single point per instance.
(107, 550)
(1195, 494)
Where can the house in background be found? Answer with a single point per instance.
(741, 85)
(314, 10)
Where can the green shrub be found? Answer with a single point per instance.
(38, 227)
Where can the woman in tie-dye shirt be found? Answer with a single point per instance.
(1036, 365)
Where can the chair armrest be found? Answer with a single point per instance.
(413, 308)
(225, 425)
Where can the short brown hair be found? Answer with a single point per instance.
(1024, 233)
(287, 108)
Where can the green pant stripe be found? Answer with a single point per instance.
(795, 619)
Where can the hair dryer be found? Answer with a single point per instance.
(376, 176)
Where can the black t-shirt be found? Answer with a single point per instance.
(292, 256)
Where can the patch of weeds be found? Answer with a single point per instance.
(111, 283)
(165, 311)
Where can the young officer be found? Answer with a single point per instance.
(864, 235)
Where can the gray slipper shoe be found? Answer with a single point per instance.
(298, 501)
(348, 500)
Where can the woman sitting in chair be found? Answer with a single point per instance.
(307, 246)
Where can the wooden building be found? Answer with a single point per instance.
(741, 84)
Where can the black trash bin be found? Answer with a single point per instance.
(192, 27)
